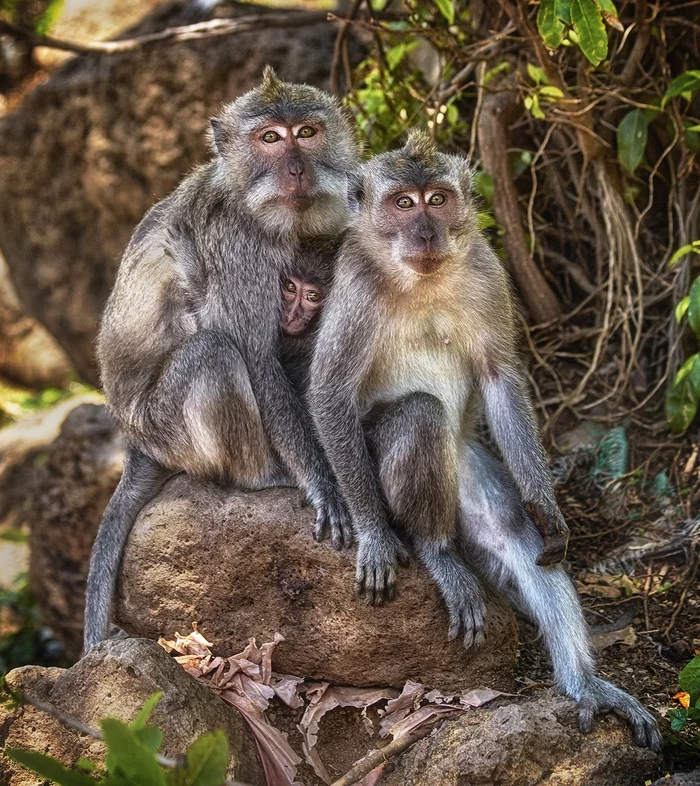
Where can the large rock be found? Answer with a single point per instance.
(245, 564)
(526, 743)
(115, 680)
(88, 152)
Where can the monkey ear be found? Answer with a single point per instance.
(356, 191)
(220, 134)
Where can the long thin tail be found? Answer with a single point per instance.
(141, 481)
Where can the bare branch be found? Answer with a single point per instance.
(208, 29)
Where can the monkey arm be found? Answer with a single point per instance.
(512, 422)
(341, 361)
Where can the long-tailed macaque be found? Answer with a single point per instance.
(190, 348)
(417, 340)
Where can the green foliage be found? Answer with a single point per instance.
(683, 395)
(584, 20)
(684, 84)
(685, 720)
(447, 9)
(632, 136)
(132, 758)
(37, 15)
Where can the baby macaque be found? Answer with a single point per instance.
(302, 301)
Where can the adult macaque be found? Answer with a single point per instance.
(417, 338)
(189, 347)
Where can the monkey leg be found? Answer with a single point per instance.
(416, 457)
(503, 542)
(202, 417)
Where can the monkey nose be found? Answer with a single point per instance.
(426, 235)
(296, 169)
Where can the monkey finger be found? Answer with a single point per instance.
(585, 718)
(321, 527)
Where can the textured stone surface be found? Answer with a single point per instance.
(115, 680)
(245, 564)
(88, 152)
(532, 742)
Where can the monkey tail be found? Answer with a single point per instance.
(141, 480)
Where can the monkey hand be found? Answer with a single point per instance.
(332, 516)
(378, 555)
(551, 525)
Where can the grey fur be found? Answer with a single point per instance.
(189, 346)
(404, 366)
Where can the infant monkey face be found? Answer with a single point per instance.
(302, 300)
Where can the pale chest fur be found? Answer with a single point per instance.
(424, 351)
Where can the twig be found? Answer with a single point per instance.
(373, 760)
(340, 48)
(208, 29)
(72, 723)
(684, 594)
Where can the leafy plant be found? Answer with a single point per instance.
(578, 21)
(685, 720)
(132, 758)
(683, 395)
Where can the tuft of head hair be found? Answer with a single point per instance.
(272, 87)
(419, 144)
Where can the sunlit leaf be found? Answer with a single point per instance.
(683, 699)
(694, 307)
(50, 16)
(537, 74)
(207, 760)
(129, 757)
(687, 82)
(447, 9)
(48, 767)
(681, 405)
(145, 712)
(593, 38)
(548, 23)
(551, 92)
(681, 308)
(689, 678)
(688, 248)
(632, 139)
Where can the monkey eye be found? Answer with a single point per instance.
(313, 296)
(404, 202)
(270, 137)
(290, 286)
(306, 132)
(437, 199)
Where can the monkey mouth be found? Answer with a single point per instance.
(426, 264)
(299, 202)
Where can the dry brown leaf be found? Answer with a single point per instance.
(601, 641)
(397, 709)
(421, 716)
(479, 696)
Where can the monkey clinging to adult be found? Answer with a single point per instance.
(190, 343)
(417, 339)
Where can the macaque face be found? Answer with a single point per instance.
(417, 222)
(302, 301)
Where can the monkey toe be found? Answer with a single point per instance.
(585, 719)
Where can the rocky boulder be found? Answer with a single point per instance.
(526, 743)
(88, 152)
(115, 680)
(245, 564)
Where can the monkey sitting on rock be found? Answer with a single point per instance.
(189, 348)
(417, 338)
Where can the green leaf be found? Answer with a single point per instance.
(694, 307)
(150, 736)
(129, 757)
(145, 712)
(563, 10)
(688, 248)
(678, 718)
(689, 679)
(608, 6)
(48, 767)
(395, 55)
(207, 760)
(687, 82)
(537, 74)
(681, 308)
(549, 91)
(632, 139)
(548, 23)
(535, 110)
(447, 9)
(50, 16)
(593, 38)
(682, 396)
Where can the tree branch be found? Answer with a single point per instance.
(208, 29)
